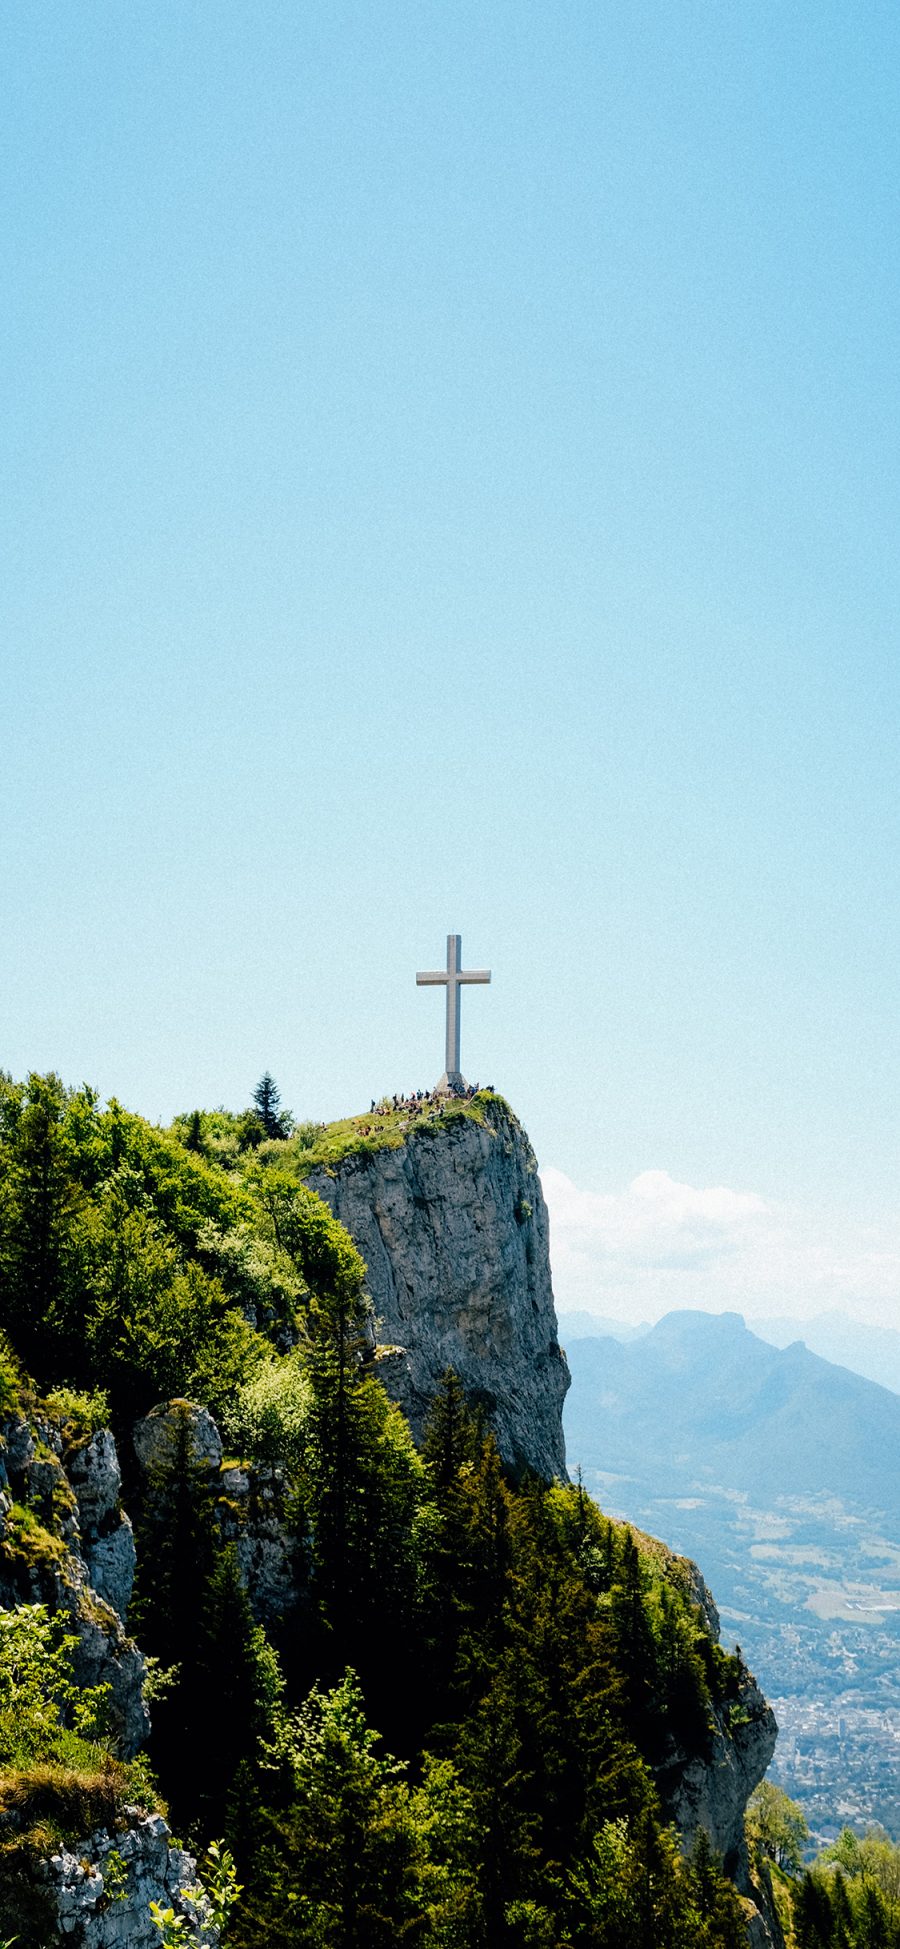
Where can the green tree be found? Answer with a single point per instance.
(858, 1879)
(489, 1754)
(812, 1914)
(361, 1488)
(450, 1844)
(452, 1435)
(268, 1418)
(236, 1688)
(874, 1858)
(38, 1202)
(632, 1890)
(266, 1104)
(100, 1273)
(176, 1539)
(842, 1913)
(635, 1644)
(873, 1926)
(446, 1540)
(363, 1478)
(349, 1845)
(777, 1827)
(40, 1703)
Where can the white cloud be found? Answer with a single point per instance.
(655, 1222)
(659, 1244)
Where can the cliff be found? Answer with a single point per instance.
(445, 1207)
(710, 1790)
(453, 1228)
(66, 1543)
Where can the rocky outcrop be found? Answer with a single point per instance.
(45, 1558)
(101, 1888)
(710, 1789)
(249, 1502)
(107, 1537)
(171, 1426)
(251, 1515)
(453, 1228)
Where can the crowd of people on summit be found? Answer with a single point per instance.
(420, 1103)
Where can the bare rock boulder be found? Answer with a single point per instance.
(157, 1438)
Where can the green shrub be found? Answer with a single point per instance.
(78, 1413)
(268, 1418)
(41, 1707)
(27, 1542)
(10, 1378)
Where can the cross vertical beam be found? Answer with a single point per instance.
(452, 980)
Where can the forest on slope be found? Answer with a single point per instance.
(454, 1735)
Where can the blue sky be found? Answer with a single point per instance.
(449, 480)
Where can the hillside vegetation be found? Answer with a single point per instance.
(848, 1899)
(450, 1739)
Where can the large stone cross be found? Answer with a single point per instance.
(452, 1078)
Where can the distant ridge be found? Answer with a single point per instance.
(873, 1351)
(870, 1351)
(701, 1397)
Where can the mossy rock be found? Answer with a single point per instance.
(42, 1807)
(27, 1543)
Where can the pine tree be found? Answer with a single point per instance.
(266, 1101)
(176, 1555)
(842, 1913)
(37, 1206)
(874, 1931)
(238, 1684)
(489, 1756)
(350, 1851)
(635, 1645)
(446, 1544)
(812, 1914)
(362, 1486)
(451, 1433)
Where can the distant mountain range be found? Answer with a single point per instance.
(872, 1351)
(701, 1397)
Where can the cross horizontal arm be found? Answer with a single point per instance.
(474, 974)
(430, 980)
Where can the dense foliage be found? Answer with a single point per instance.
(848, 1897)
(450, 1739)
(131, 1263)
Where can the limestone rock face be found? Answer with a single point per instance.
(102, 1888)
(712, 1791)
(55, 1564)
(107, 1537)
(251, 1514)
(156, 1438)
(453, 1228)
(112, 1561)
(96, 1478)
